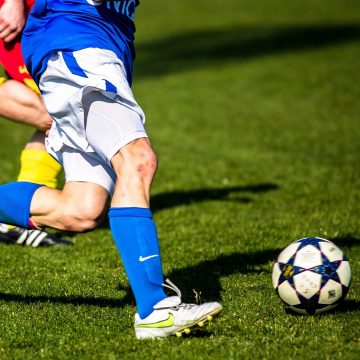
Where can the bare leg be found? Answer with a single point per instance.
(78, 207)
(135, 166)
(36, 141)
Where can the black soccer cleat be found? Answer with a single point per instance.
(33, 238)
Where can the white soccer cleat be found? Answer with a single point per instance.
(172, 317)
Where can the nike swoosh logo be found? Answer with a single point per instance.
(160, 324)
(144, 258)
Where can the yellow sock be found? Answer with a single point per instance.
(39, 167)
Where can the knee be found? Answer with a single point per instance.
(138, 162)
(146, 164)
(82, 217)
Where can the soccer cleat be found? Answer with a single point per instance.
(34, 238)
(172, 317)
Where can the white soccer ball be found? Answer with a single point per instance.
(311, 275)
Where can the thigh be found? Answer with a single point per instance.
(83, 201)
(81, 166)
(80, 206)
(110, 125)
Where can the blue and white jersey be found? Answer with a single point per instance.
(70, 25)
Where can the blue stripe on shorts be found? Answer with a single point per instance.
(110, 87)
(72, 64)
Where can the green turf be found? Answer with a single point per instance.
(253, 108)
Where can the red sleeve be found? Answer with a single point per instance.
(12, 60)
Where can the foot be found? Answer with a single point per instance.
(172, 317)
(34, 238)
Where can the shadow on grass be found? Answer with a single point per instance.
(175, 198)
(203, 48)
(345, 241)
(347, 306)
(65, 300)
(344, 306)
(196, 276)
(205, 276)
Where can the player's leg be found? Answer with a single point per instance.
(79, 206)
(36, 165)
(131, 223)
(84, 200)
(138, 162)
(132, 226)
(135, 234)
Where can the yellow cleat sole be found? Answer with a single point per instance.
(201, 323)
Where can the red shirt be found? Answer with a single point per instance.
(11, 57)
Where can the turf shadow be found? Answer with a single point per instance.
(346, 241)
(345, 306)
(187, 197)
(176, 198)
(209, 47)
(348, 306)
(205, 276)
(65, 300)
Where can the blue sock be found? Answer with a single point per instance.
(135, 236)
(15, 201)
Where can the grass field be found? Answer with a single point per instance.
(253, 108)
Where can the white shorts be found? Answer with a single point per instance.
(94, 111)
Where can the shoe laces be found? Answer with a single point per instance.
(172, 287)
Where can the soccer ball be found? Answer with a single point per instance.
(311, 275)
